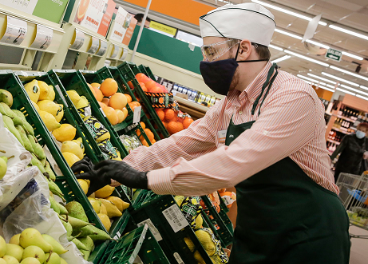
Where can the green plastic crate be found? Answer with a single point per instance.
(74, 80)
(138, 243)
(147, 71)
(128, 72)
(151, 210)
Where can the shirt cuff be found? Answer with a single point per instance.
(159, 181)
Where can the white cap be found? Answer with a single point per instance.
(244, 21)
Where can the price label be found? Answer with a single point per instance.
(124, 54)
(103, 48)
(15, 32)
(175, 218)
(43, 38)
(78, 40)
(115, 52)
(95, 43)
(137, 114)
(178, 258)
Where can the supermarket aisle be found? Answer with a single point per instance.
(359, 253)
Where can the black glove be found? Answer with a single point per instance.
(119, 171)
(84, 165)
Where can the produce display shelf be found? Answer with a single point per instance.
(153, 213)
(128, 72)
(138, 243)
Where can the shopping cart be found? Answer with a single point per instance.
(354, 197)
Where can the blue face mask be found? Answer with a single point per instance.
(360, 134)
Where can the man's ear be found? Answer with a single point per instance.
(245, 50)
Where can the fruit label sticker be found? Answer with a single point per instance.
(175, 218)
(16, 30)
(137, 114)
(152, 227)
(178, 258)
(43, 38)
(103, 48)
(78, 40)
(95, 43)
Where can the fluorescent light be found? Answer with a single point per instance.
(350, 32)
(352, 89)
(288, 33)
(306, 58)
(281, 59)
(352, 55)
(350, 73)
(289, 12)
(307, 78)
(364, 87)
(321, 78)
(325, 88)
(342, 90)
(275, 47)
(340, 79)
(331, 86)
(318, 44)
(363, 97)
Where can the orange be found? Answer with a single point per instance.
(111, 115)
(121, 116)
(102, 105)
(144, 143)
(142, 78)
(95, 85)
(125, 111)
(155, 89)
(90, 86)
(82, 9)
(128, 97)
(133, 105)
(106, 101)
(160, 113)
(153, 141)
(118, 101)
(169, 114)
(174, 127)
(144, 88)
(98, 94)
(187, 121)
(149, 134)
(150, 84)
(138, 132)
(109, 87)
(130, 84)
(143, 125)
(165, 124)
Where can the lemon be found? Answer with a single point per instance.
(49, 120)
(119, 203)
(84, 185)
(79, 141)
(104, 192)
(44, 90)
(70, 158)
(96, 204)
(72, 147)
(105, 220)
(33, 90)
(51, 95)
(103, 209)
(65, 132)
(83, 102)
(36, 106)
(57, 110)
(74, 96)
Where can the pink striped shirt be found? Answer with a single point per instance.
(195, 162)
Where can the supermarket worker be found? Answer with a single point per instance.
(274, 151)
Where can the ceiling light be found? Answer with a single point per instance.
(325, 88)
(363, 97)
(352, 89)
(331, 86)
(275, 47)
(307, 78)
(350, 73)
(364, 87)
(289, 12)
(306, 58)
(281, 59)
(340, 79)
(342, 90)
(347, 31)
(352, 55)
(321, 78)
(318, 44)
(288, 33)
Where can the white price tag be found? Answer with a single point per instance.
(60, 93)
(103, 48)
(137, 114)
(178, 258)
(118, 235)
(152, 227)
(95, 43)
(175, 218)
(43, 37)
(78, 40)
(15, 32)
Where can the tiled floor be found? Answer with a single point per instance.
(359, 247)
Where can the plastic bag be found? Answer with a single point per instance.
(34, 211)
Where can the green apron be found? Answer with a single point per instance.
(284, 217)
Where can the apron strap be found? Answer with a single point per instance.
(270, 72)
(268, 90)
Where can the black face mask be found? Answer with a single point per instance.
(218, 75)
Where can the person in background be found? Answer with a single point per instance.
(139, 18)
(353, 152)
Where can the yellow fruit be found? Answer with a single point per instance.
(51, 95)
(79, 141)
(92, 195)
(206, 241)
(36, 106)
(65, 132)
(74, 96)
(70, 158)
(103, 137)
(199, 258)
(33, 90)
(189, 243)
(105, 221)
(72, 147)
(104, 192)
(83, 102)
(120, 204)
(44, 90)
(112, 210)
(96, 204)
(84, 185)
(198, 222)
(103, 209)
(57, 110)
(49, 120)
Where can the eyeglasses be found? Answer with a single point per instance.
(216, 50)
